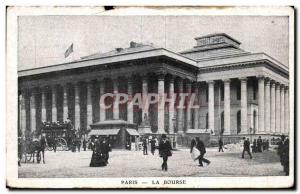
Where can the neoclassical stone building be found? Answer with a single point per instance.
(238, 92)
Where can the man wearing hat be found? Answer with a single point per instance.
(165, 151)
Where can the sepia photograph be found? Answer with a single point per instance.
(147, 97)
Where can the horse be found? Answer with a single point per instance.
(33, 148)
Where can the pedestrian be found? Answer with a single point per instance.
(259, 144)
(54, 145)
(165, 151)
(267, 145)
(84, 142)
(283, 152)
(43, 144)
(21, 142)
(78, 143)
(145, 152)
(254, 146)
(221, 144)
(246, 147)
(105, 149)
(286, 156)
(201, 147)
(98, 158)
(152, 142)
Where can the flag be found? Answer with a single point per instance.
(69, 51)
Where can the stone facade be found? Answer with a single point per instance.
(238, 92)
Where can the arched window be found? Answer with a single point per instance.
(238, 121)
(222, 122)
(206, 121)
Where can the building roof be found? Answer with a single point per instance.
(211, 50)
(134, 47)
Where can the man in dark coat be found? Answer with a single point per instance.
(221, 144)
(152, 143)
(164, 151)
(283, 152)
(84, 142)
(259, 144)
(201, 147)
(246, 148)
(286, 156)
(43, 144)
(193, 144)
(145, 152)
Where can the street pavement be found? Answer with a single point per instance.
(123, 163)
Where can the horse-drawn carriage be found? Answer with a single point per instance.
(59, 135)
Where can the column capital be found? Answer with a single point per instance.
(286, 88)
(243, 79)
(33, 91)
(278, 85)
(267, 81)
(172, 79)
(195, 84)
(161, 76)
(210, 82)
(282, 86)
(260, 77)
(272, 81)
(226, 80)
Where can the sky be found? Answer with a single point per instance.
(43, 40)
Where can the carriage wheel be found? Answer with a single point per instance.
(61, 144)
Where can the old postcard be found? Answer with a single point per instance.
(150, 97)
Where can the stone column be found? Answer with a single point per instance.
(43, 108)
(32, 111)
(267, 106)
(227, 107)
(261, 104)
(54, 104)
(145, 109)
(102, 110)
(130, 103)
(196, 110)
(116, 112)
(171, 106)
(277, 112)
(65, 102)
(89, 105)
(77, 106)
(244, 111)
(23, 112)
(161, 104)
(211, 106)
(188, 105)
(287, 113)
(273, 109)
(179, 109)
(282, 113)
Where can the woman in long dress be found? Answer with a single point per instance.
(98, 156)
